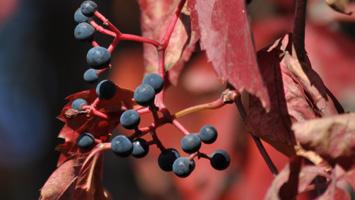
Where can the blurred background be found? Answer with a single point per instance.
(41, 63)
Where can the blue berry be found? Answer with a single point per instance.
(220, 160)
(90, 75)
(191, 143)
(80, 17)
(154, 80)
(183, 167)
(98, 57)
(130, 119)
(144, 95)
(140, 148)
(167, 158)
(106, 89)
(84, 31)
(78, 104)
(121, 146)
(208, 134)
(85, 141)
(88, 8)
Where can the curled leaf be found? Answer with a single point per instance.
(299, 179)
(339, 5)
(297, 94)
(331, 136)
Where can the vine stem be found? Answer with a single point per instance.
(207, 106)
(161, 70)
(180, 127)
(227, 97)
(256, 139)
(299, 27)
(106, 22)
(165, 41)
(137, 38)
(162, 50)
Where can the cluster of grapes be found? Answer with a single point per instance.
(98, 58)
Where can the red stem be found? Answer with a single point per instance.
(106, 22)
(94, 43)
(162, 49)
(102, 29)
(161, 69)
(137, 38)
(180, 127)
(171, 27)
(113, 45)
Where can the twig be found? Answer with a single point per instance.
(299, 27)
(256, 139)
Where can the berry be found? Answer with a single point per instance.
(154, 80)
(85, 141)
(98, 57)
(190, 143)
(88, 8)
(106, 89)
(130, 119)
(208, 134)
(144, 95)
(220, 160)
(183, 167)
(140, 148)
(91, 75)
(121, 146)
(78, 104)
(84, 31)
(167, 158)
(80, 17)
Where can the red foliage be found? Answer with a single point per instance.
(227, 40)
(287, 105)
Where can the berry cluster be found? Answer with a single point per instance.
(147, 97)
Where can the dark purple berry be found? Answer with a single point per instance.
(220, 160)
(121, 146)
(208, 134)
(191, 143)
(167, 158)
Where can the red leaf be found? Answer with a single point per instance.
(156, 15)
(100, 128)
(89, 182)
(60, 185)
(68, 182)
(297, 93)
(332, 136)
(226, 37)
